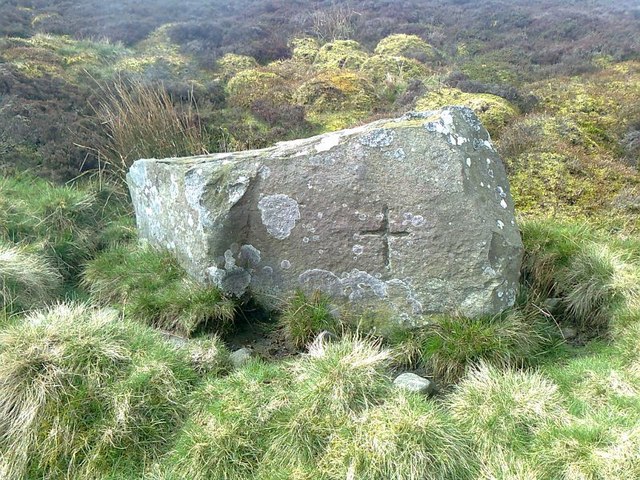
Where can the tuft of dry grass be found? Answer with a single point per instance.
(450, 345)
(142, 121)
(84, 393)
(406, 438)
(503, 409)
(27, 279)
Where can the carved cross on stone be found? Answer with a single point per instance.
(384, 232)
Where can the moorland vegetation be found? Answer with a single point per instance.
(114, 364)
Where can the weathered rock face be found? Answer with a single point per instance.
(414, 214)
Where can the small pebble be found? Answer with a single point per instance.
(240, 357)
(414, 383)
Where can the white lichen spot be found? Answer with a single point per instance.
(468, 162)
(321, 252)
(279, 214)
(503, 204)
(229, 261)
(378, 138)
(264, 172)
(399, 154)
(267, 270)
(482, 184)
(362, 216)
(173, 188)
(357, 249)
(488, 161)
(411, 219)
(237, 189)
(320, 215)
(490, 172)
(489, 271)
(285, 264)
(500, 224)
(327, 143)
(315, 238)
(501, 192)
(305, 240)
(309, 185)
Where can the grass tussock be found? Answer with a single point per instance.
(450, 345)
(331, 414)
(549, 248)
(503, 409)
(332, 383)
(304, 316)
(598, 437)
(352, 374)
(151, 287)
(142, 121)
(83, 393)
(589, 449)
(27, 279)
(209, 356)
(67, 225)
(225, 436)
(405, 438)
(597, 282)
(594, 278)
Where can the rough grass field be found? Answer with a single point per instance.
(89, 393)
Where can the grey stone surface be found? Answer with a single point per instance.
(240, 357)
(413, 214)
(414, 383)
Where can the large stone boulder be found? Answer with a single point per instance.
(412, 215)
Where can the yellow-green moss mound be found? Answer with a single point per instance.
(393, 68)
(494, 112)
(336, 99)
(402, 45)
(232, 63)
(249, 86)
(305, 49)
(555, 168)
(341, 54)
